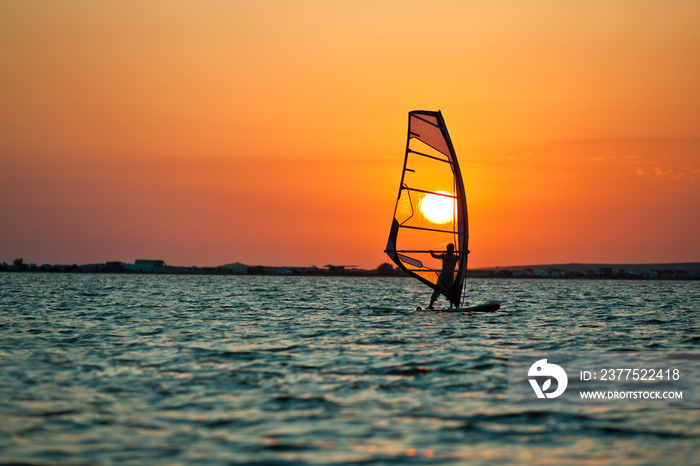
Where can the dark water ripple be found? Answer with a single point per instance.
(291, 370)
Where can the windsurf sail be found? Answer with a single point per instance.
(431, 209)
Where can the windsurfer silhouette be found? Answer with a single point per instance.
(446, 279)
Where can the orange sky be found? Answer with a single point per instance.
(272, 132)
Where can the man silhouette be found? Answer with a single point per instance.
(446, 278)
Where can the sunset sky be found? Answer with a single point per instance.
(272, 132)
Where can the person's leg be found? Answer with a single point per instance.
(435, 295)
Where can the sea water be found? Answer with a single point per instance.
(166, 369)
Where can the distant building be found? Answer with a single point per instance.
(678, 273)
(236, 268)
(335, 269)
(639, 272)
(503, 273)
(146, 265)
(113, 266)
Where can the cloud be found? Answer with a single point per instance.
(691, 170)
(662, 172)
(685, 171)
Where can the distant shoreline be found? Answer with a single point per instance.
(663, 271)
(670, 270)
(693, 267)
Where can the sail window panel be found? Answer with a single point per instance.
(424, 272)
(429, 133)
(404, 207)
(410, 261)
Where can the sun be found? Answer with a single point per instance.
(438, 207)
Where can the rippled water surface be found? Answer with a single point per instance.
(294, 370)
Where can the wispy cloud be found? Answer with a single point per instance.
(685, 171)
(663, 172)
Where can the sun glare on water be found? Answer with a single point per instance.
(436, 208)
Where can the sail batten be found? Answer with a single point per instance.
(432, 229)
(429, 192)
(431, 209)
(430, 156)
